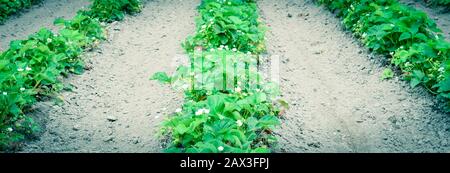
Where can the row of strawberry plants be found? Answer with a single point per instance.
(31, 69)
(407, 36)
(445, 3)
(9, 7)
(228, 107)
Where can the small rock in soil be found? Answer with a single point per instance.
(314, 144)
(111, 118)
(109, 139)
(76, 127)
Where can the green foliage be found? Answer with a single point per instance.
(31, 69)
(89, 27)
(8, 7)
(238, 122)
(161, 77)
(228, 107)
(231, 24)
(218, 70)
(387, 74)
(445, 3)
(113, 10)
(408, 36)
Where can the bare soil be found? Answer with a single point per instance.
(42, 15)
(114, 106)
(338, 101)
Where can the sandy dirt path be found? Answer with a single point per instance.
(338, 101)
(29, 21)
(115, 107)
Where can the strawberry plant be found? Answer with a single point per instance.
(445, 3)
(232, 24)
(406, 35)
(9, 7)
(235, 122)
(113, 10)
(228, 106)
(219, 70)
(89, 27)
(387, 74)
(31, 69)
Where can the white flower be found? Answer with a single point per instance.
(20, 69)
(234, 49)
(202, 111)
(212, 50)
(226, 47)
(238, 89)
(5, 93)
(28, 68)
(239, 123)
(401, 47)
(199, 112)
(364, 35)
(220, 148)
(407, 64)
(178, 110)
(391, 53)
(49, 40)
(22, 89)
(221, 46)
(441, 69)
(9, 129)
(203, 26)
(185, 86)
